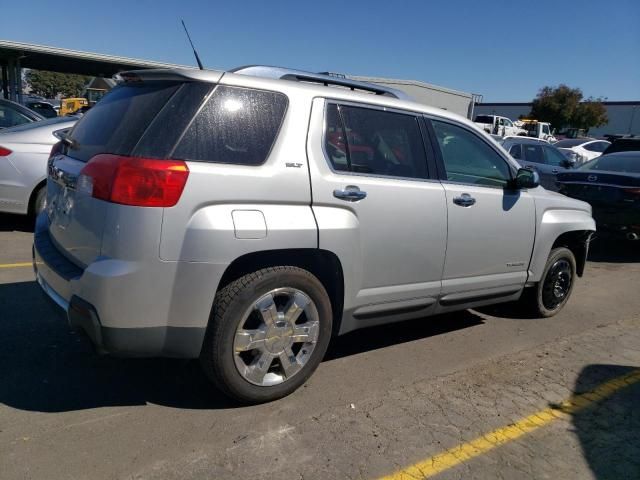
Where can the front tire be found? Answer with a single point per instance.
(552, 292)
(267, 333)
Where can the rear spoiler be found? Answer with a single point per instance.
(169, 74)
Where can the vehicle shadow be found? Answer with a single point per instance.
(614, 250)
(46, 367)
(16, 223)
(609, 431)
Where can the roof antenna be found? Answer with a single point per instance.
(194, 48)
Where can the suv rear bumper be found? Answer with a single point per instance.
(75, 291)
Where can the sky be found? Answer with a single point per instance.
(503, 50)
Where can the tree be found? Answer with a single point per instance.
(52, 84)
(562, 107)
(590, 113)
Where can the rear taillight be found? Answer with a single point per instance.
(4, 152)
(142, 182)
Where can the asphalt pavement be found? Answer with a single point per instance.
(475, 394)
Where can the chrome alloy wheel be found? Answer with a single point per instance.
(276, 337)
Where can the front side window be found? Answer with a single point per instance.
(545, 129)
(469, 159)
(554, 157)
(376, 142)
(508, 123)
(236, 125)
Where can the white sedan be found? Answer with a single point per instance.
(585, 149)
(24, 151)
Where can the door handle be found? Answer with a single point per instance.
(555, 170)
(350, 193)
(464, 200)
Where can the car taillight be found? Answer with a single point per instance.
(4, 152)
(632, 192)
(142, 182)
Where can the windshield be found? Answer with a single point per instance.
(615, 163)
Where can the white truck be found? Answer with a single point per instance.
(536, 129)
(497, 125)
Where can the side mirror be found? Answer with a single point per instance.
(570, 162)
(526, 178)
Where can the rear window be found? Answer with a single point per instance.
(484, 119)
(236, 125)
(570, 143)
(116, 123)
(624, 163)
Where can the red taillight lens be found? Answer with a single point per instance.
(4, 152)
(632, 191)
(142, 182)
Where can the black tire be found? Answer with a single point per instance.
(217, 356)
(39, 201)
(543, 300)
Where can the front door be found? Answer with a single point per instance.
(491, 228)
(377, 209)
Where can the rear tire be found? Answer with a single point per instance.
(39, 201)
(267, 333)
(552, 292)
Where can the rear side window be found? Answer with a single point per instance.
(116, 123)
(236, 125)
(533, 153)
(369, 141)
(515, 151)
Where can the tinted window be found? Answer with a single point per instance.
(554, 157)
(468, 159)
(533, 153)
(10, 117)
(236, 125)
(596, 147)
(363, 140)
(545, 129)
(515, 151)
(569, 143)
(484, 119)
(115, 124)
(615, 163)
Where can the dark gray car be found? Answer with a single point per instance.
(539, 155)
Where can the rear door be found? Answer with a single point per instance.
(491, 228)
(377, 208)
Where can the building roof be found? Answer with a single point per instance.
(41, 57)
(415, 83)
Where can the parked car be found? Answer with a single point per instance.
(227, 216)
(585, 148)
(498, 125)
(538, 155)
(24, 151)
(611, 184)
(43, 108)
(12, 114)
(624, 144)
(536, 129)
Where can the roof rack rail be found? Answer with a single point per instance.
(325, 79)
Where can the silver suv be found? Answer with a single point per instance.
(244, 218)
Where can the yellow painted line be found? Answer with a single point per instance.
(16, 265)
(483, 444)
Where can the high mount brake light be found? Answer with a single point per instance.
(141, 182)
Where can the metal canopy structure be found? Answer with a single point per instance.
(14, 56)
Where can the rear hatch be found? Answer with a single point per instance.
(608, 190)
(137, 119)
